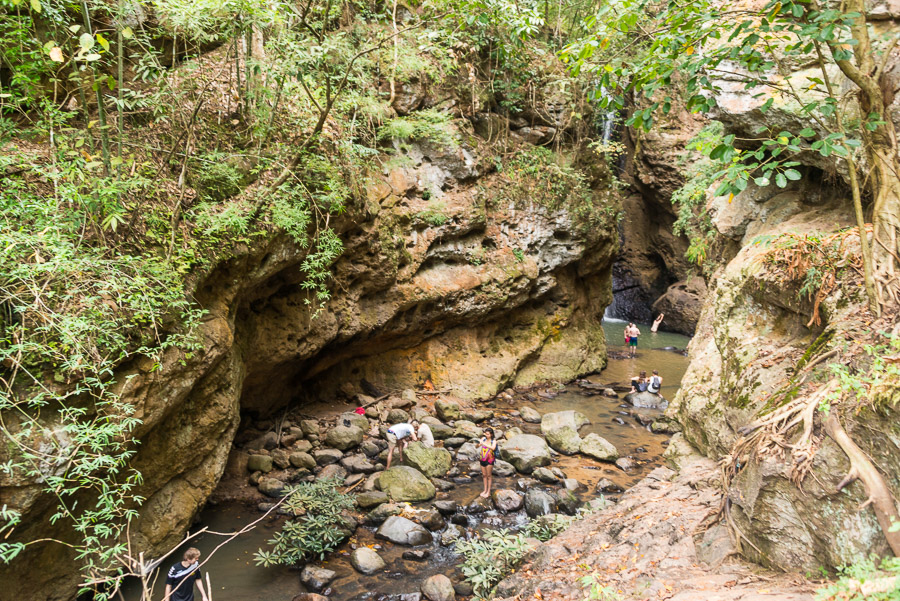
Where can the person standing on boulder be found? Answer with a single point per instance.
(486, 450)
(182, 576)
(398, 436)
(656, 322)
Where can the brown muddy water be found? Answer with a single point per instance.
(235, 577)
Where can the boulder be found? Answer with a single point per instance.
(512, 432)
(447, 410)
(281, 458)
(503, 469)
(573, 485)
(402, 531)
(397, 416)
(452, 534)
(564, 439)
(301, 459)
(438, 588)
(646, 400)
(446, 507)
(271, 487)
(665, 425)
(442, 485)
(567, 502)
(467, 452)
(309, 427)
(416, 554)
(310, 597)
(466, 429)
(302, 446)
(441, 431)
(545, 475)
(626, 463)
(327, 456)
(453, 441)
(260, 463)
(530, 415)
(353, 419)
(367, 500)
(431, 461)
(383, 512)
(681, 304)
(332, 471)
(507, 500)
(572, 419)
(316, 578)
(608, 486)
(477, 415)
(344, 437)
(479, 505)
(539, 502)
(594, 445)
(369, 448)
(526, 452)
(366, 560)
(404, 483)
(358, 464)
(431, 519)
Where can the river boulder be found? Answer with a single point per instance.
(344, 437)
(374, 498)
(354, 419)
(467, 429)
(539, 502)
(646, 400)
(327, 456)
(402, 531)
(301, 459)
(260, 463)
(530, 415)
(526, 452)
(438, 588)
(560, 419)
(594, 445)
(316, 578)
(507, 500)
(434, 462)
(565, 440)
(366, 560)
(447, 410)
(404, 483)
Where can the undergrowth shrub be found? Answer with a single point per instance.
(490, 558)
(317, 528)
(866, 580)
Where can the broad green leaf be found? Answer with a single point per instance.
(103, 42)
(762, 182)
(792, 174)
(36, 5)
(807, 133)
(127, 33)
(780, 180)
(74, 28)
(86, 41)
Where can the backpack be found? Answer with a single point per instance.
(642, 387)
(654, 384)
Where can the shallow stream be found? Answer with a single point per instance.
(235, 577)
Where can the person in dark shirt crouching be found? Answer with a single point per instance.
(181, 577)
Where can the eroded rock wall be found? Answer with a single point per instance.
(440, 279)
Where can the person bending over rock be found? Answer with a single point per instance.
(654, 383)
(486, 450)
(423, 433)
(398, 436)
(182, 576)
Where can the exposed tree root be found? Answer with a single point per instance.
(862, 468)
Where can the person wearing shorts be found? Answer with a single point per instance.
(486, 450)
(632, 332)
(398, 436)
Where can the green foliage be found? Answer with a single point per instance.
(215, 178)
(519, 254)
(871, 579)
(434, 215)
(690, 200)
(873, 381)
(491, 557)
(595, 590)
(317, 528)
(538, 175)
(638, 46)
(546, 527)
(428, 125)
(70, 312)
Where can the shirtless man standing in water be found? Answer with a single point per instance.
(632, 332)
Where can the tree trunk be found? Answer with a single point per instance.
(886, 216)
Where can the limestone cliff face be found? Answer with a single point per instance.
(440, 279)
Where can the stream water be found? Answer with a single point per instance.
(235, 577)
